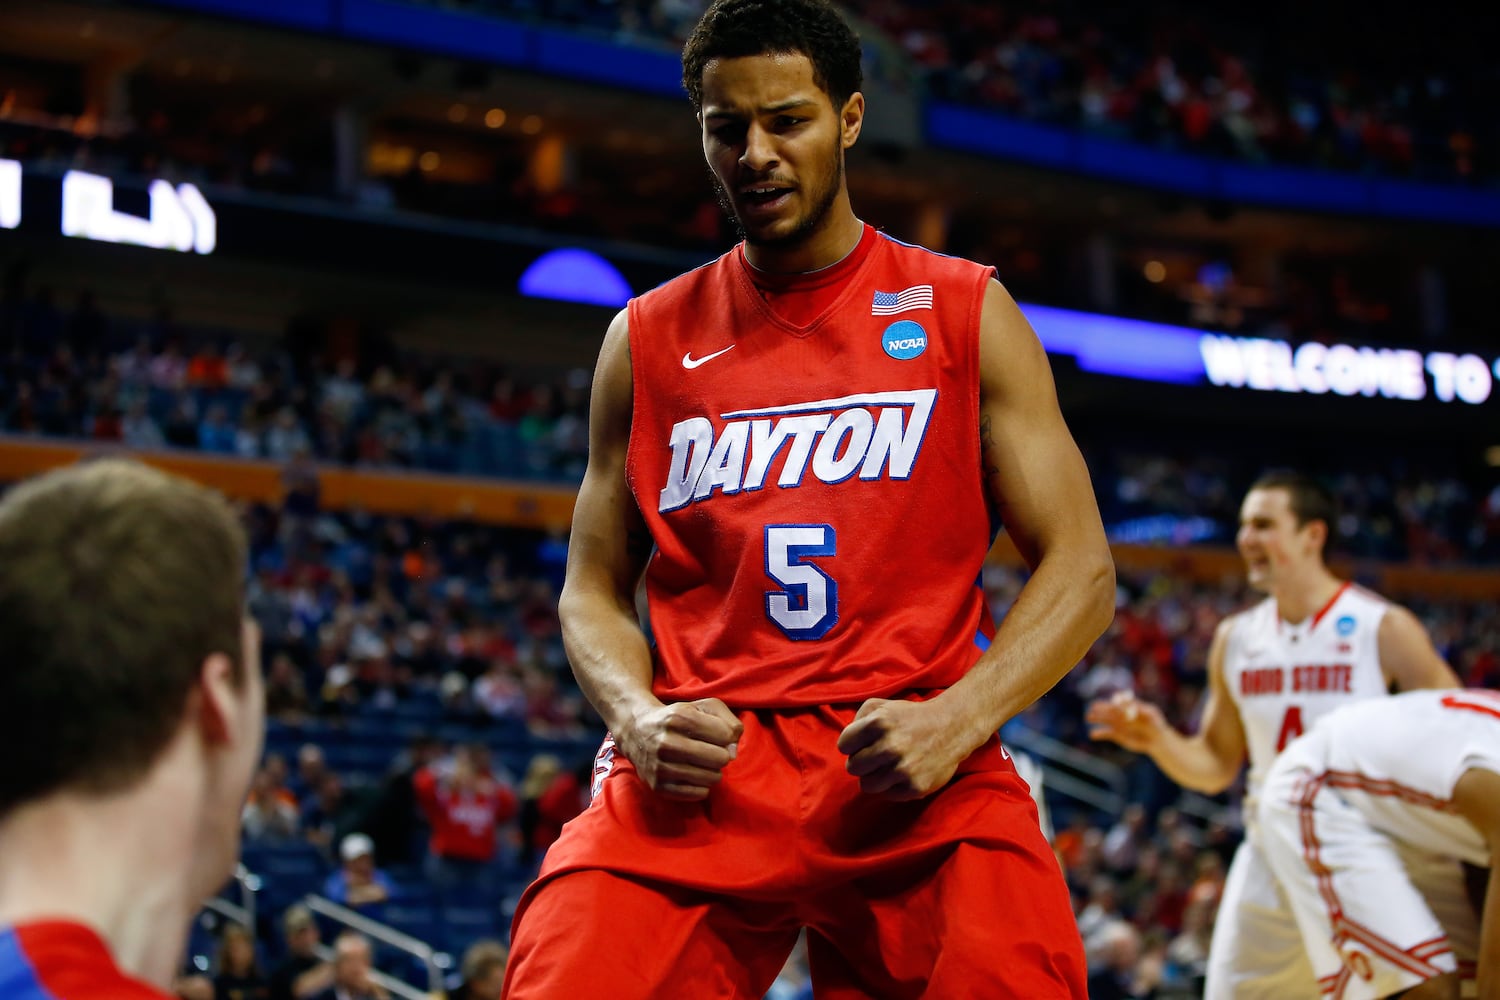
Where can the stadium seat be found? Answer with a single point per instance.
(413, 891)
(467, 924)
(421, 922)
(288, 871)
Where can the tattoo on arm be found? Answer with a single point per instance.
(989, 472)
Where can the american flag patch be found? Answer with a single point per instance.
(890, 303)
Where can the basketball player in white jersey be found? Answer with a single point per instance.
(1367, 821)
(1315, 643)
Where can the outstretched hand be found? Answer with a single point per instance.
(1126, 720)
(903, 749)
(680, 750)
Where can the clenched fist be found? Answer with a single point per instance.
(680, 750)
(904, 749)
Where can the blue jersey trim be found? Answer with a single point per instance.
(982, 641)
(918, 246)
(18, 978)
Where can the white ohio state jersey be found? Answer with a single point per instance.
(1285, 676)
(1396, 762)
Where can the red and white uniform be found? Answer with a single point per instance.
(814, 497)
(1283, 677)
(805, 452)
(1358, 824)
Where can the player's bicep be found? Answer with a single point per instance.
(609, 542)
(1407, 656)
(1034, 473)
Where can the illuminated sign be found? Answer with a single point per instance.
(1345, 370)
(180, 217)
(10, 194)
(1110, 345)
(1157, 352)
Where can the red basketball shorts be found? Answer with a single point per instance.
(953, 897)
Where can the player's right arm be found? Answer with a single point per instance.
(1209, 760)
(1476, 797)
(680, 749)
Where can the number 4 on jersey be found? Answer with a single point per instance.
(1291, 727)
(807, 606)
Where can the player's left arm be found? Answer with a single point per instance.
(1476, 797)
(1037, 480)
(1408, 658)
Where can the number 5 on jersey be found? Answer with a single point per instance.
(807, 606)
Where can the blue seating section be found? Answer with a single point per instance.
(362, 748)
(289, 871)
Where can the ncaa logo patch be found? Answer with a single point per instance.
(904, 340)
(1345, 625)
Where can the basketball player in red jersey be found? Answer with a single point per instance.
(131, 717)
(803, 444)
(1314, 644)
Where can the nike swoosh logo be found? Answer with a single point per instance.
(689, 362)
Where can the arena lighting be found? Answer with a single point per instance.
(180, 218)
(1157, 352)
(574, 275)
(1110, 345)
(10, 194)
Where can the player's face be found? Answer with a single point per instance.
(1270, 540)
(775, 144)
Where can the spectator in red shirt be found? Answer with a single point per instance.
(465, 806)
(107, 425)
(564, 797)
(207, 369)
(541, 771)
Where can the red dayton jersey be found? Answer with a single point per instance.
(813, 491)
(61, 960)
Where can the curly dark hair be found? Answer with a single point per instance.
(733, 28)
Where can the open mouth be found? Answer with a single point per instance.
(764, 198)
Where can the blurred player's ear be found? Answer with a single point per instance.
(217, 697)
(1317, 531)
